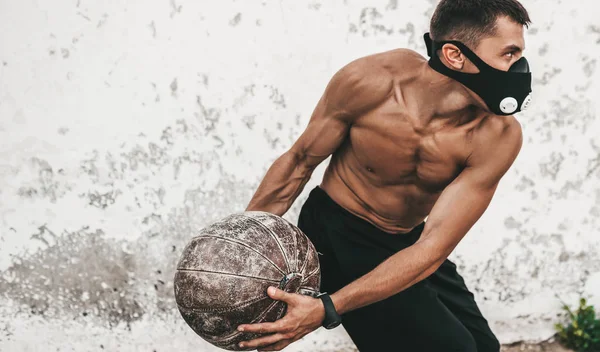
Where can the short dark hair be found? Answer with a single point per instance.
(469, 21)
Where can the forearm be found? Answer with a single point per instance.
(394, 275)
(282, 184)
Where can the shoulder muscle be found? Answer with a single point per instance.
(495, 146)
(359, 86)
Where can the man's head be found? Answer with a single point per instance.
(480, 44)
(493, 29)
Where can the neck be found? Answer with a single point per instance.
(447, 98)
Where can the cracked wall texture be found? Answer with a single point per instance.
(127, 126)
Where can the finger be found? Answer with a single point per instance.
(281, 295)
(263, 341)
(265, 328)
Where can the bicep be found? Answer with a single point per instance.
(323, 135)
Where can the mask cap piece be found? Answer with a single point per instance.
(509, 105)
(526, 103)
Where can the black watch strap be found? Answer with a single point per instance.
(332, 318)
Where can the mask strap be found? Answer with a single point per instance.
(429, 44)
(433, 47)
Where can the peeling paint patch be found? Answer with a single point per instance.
(590, 67)
(152, 27)
(235, 20)
(277, 98)
(524, 184)
(511, 223)
(39, 180)
(84, 16)
(102, 200)
(173, 86)
(102, 20)
(314, 6)
(596, 30)
(367, 24)
(175, 9)
(551, 167)
(82, 274)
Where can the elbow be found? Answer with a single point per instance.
(437, 252)
(434, 263)
(301, 162)
(298, 155)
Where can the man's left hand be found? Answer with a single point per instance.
(304, 315)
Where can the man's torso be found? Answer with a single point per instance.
(398, 157)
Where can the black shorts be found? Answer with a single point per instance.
(438, 314)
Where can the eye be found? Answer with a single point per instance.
(510, 55)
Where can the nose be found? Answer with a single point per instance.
(520, 66)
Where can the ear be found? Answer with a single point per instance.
(453, 56)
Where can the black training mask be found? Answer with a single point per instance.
(504, 92)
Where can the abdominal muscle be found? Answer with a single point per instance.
(395, 209)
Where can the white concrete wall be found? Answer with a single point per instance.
(126, 125)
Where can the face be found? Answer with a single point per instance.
(499, 51)
(503, 49)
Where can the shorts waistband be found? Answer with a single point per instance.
(318, 194)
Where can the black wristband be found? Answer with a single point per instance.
(332, 318)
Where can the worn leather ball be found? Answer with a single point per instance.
(224, 272)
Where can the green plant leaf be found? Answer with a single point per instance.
(582, 332)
